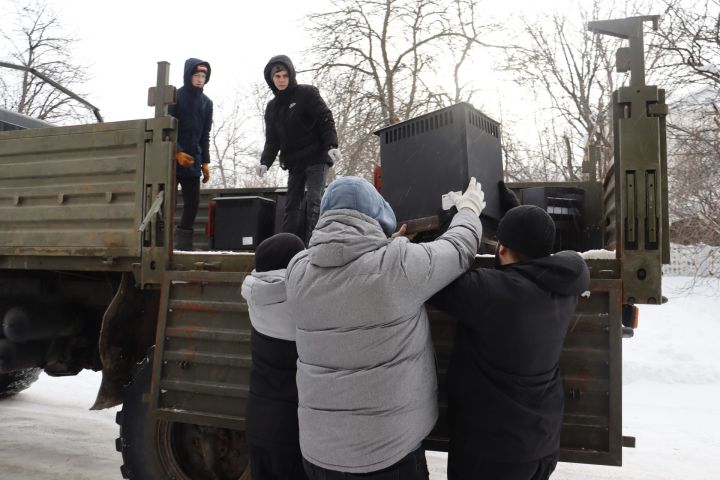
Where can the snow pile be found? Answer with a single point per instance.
(599, 255)
(693, 260)
(659, 351)
(671, 404)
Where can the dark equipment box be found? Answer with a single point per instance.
(241, 223)
(576, 228)
(430, 155)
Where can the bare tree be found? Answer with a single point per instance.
(377, 64)
(355, 120)
(689, 41)
(40, 43)
(689, 35)
(570, 67)
(233, 150)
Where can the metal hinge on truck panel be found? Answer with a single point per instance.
(158, 183)
(201, 369)
(640, 160)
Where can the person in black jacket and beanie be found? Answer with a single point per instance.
(505, 393)
(300, 126)
(272, 409)
(194, 112)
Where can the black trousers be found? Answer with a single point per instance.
(301, 217)
(411, 467)
(464, 466)
(276, 464)
(191, 199)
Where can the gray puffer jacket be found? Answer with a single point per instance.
(366, 368)
(265, 296)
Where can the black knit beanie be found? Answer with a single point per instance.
(276, 252)
(278, 67)
(528, 230)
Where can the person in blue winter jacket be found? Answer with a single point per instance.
(194, 112)
(272, 418)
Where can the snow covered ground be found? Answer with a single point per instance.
(671, 405)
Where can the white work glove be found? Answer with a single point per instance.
(334, 155)
(261, 170)
(473, 198)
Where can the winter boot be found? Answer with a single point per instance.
(183, 239)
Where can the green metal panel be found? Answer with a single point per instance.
(72, 191)
(640, 199)
(592, 374)
(639, 187)
(201, 370)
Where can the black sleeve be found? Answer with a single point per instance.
(320, 112)
(508, 199)
(272, 143)
(464, 299)
(205, 139)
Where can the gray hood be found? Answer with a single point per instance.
(266, 298)
(342, 236)
(366, 364)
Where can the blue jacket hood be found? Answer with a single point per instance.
(190, 64)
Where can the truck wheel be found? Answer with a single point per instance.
(15, 382)
(164, 450)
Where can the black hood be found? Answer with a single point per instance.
(564, 273)
(190, 64)
(285, 60)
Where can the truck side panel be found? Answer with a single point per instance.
(72, 191)
(201, 371)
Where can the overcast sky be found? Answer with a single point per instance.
(121, 43)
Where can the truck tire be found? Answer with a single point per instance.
(15, 382)
(165, 450)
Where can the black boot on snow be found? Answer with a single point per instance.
(183, 239)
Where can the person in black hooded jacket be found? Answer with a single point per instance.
(505, 393)
(194, 112)
(300, 126)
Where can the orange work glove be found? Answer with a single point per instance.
(206, 172)
(184, 160)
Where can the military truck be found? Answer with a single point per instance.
(89, 280)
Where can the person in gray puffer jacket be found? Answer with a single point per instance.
(366, 378)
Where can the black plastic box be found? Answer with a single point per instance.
(574, 228)
(430, 155)
(241, 223)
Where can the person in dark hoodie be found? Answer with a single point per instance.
(194, 112)
(300, 126)
(272, 418)
(505, 393)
